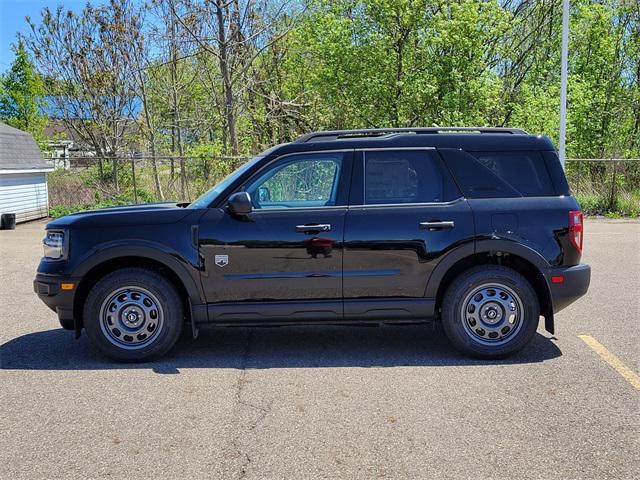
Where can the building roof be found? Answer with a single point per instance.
(19, 151)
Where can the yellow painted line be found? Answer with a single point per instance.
(629, 375)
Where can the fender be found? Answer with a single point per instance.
(537, 260)
(186, 269)
(511, 246)
(443, 266)
(488, 246)
(481, 246)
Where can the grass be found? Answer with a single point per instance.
(625, 204)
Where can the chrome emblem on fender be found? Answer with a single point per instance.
(222, 260)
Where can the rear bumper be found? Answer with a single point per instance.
(48, 289)
(567, 284)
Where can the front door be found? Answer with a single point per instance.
(406, 214)
(289, 249)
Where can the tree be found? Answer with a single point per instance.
(136, 50)
(90, 81)
(236, 33)
(381, 63)
(175, 78)
(21, 95)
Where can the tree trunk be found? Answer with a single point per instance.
(173, 66)
(152, 139)
(154, 167)
(176, 129)
(172, 168)
(114, 173)
(229, 100)
(183, 171)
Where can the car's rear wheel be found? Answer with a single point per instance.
(490, 312)
(133, 315)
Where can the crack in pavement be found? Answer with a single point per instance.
(243, 403)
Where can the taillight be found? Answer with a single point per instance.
(576, 234)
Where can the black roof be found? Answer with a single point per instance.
(19, 151)
(468, 138)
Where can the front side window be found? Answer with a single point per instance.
(402, 176)
(306, 180)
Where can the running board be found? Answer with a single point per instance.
(375, 310)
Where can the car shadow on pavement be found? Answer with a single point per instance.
(261, 348)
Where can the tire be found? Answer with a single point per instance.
(133, 315)
(490, 312)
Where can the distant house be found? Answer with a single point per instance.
(23, 176)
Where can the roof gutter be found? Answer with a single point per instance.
(26, 170)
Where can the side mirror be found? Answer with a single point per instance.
(240, 203)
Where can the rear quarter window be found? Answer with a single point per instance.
(526, 172)
(499, 174)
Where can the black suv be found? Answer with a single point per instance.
(475, 228)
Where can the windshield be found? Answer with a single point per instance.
(204, 200)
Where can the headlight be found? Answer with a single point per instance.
(54, 245)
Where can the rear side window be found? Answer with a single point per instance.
(499, 174)
(403, 176)
(474, 179)
(526, 172)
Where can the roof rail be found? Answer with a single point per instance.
(379, 132)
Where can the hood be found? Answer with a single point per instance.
(147, 214)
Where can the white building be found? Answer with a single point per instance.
(23, 176)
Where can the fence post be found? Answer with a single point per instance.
(612, 199)
(133, 178)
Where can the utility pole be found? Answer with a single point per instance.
(564, 60)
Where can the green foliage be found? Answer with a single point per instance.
(21, 91)
(207, 162)
(63, 210)
(341, 64)
(629, 204)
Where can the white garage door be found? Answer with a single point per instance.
(24, 194)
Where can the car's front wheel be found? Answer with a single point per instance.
(490, 311)
(133, 315)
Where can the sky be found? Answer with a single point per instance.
(12, 13)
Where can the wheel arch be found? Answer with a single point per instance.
(110, 260)
(522, 259)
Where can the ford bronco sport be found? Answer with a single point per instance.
(472, 227)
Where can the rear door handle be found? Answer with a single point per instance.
(437, 225)
(313, 228)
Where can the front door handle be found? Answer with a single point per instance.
(313, 228)
(437, 225)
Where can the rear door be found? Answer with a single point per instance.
(405, 214)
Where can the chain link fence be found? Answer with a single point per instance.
(603, 186)
(80, 183)
(606, 186)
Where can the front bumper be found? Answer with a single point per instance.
(567, 284)
(48, 289)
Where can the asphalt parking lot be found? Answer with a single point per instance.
(328, 402)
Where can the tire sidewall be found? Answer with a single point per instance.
(161, 288)
(467, 282)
